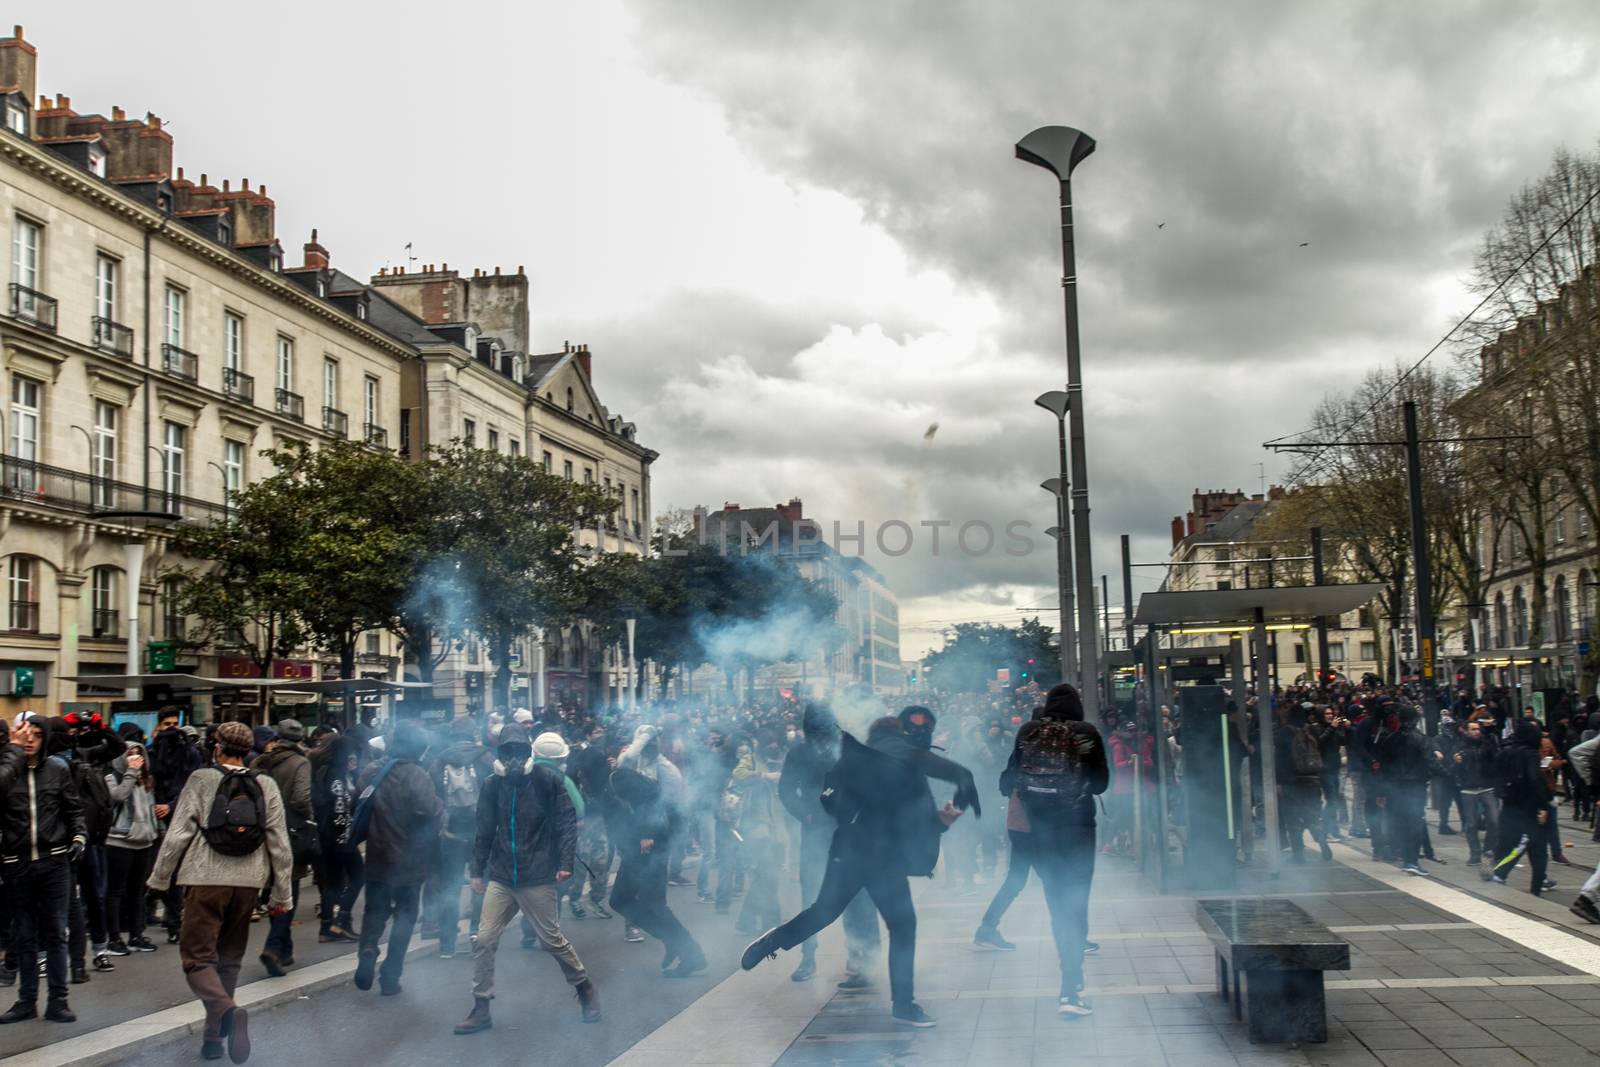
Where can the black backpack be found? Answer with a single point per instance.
(1052, 779)
(237, 822)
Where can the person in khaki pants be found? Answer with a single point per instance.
(525, 845)
(223, 881)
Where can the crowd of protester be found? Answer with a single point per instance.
(464, 830)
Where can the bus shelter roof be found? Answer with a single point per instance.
(1295, 603)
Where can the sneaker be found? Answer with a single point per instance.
(1447, 831)
(1498, 879)
(141, 944)
(118, 947)
(912, 1015)
(706, 898)
(1073, 1007)
(1412, 868)
(854, 983)
(632, 934)
(687, 966)
(808, 970)
(1584, 908)
(764, 947)
(447, 953)
(21, 1010)
(172, 937)
(1547, 885)
(988, 937)
(102, 962)
(597, 910)
(679, 881)
(1091, 947)
(577, 911)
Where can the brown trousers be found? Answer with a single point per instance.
(211, 944)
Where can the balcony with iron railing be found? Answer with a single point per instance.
(292, 405)
(374, 434)
(39, 484)
(34, 307)
(111, 337)
(238, 385)
(336, 422)
(24, 616)
(105, 622)
(180, 362)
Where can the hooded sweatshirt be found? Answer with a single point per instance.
(134, 824)
(527, 828)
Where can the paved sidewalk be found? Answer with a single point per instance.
(1429, 985)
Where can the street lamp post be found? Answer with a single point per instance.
(633, 692)
(1059, 149)
(1055, 402)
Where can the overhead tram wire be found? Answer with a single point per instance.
(1281, 442)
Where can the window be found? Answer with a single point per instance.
(494, 439)
(286, 363)
(330, 382)
(515, 446)
(103, 601)
(1299, 652)
(97, 160)
(566, 469)
(103, 461)
(322, 287)
(24, 604)
(1369, 651)
(369, 400)
(588, 476)
(569, 398)
(172, 620)
(1559, 527)
(469, 432)
(548, 461)
(1224, 584)
(608, 485)
(1583, 522)
(233, 341)
(25, 394)
(1563, 609)
(232, 469)
(172, 450)
(374, 643)
(405, 431)
(1502, 631)
(1336, 651)
(105, 287)
(17, 119)
(25, 246)
(361, 311)
(172, 316)
(225, 232)
(1519, 617)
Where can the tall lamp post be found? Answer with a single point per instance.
(1055, 402)
(1059, 149)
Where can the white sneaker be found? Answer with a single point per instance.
(1073, 1007)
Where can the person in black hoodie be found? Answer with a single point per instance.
(1525, 804)
(89, 747)
(333, 799)
(459, 775)
(888, 830)
(173, 757)
(590, 767)
(41, 834)
(525, 845)
(800, 790)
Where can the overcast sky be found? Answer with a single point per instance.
(795, 236)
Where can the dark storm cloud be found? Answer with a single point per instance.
(1384, 137)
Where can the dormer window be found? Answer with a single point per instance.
(569, 399)
(322, 287)
(97, 160)
(164, 203)
(361, 312)
(17, 119)
(275, 262)
(225, 233)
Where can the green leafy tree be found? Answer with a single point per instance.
(973, 653)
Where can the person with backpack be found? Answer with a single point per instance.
(42, 834)
(285, 762)
(228, 839)
(590, 767)
(889, 830)
(524, 845)
(1058, 766)
(397, 818)
(1299, 771)
(343, 869)
(458, 777)
(1524, 807)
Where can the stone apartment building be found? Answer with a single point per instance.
(155, 342)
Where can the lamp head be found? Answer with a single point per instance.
(1058, 149)
(1055, 402)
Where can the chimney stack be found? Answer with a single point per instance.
(19, 65)
(582, 356)
(1177, 531)
(315, 254)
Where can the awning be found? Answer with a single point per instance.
(1296, 603)
(194, 682)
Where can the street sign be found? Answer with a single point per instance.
(1583, 648)
(1002, 675)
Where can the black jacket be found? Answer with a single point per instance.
(589, 768)
(40, 814)
(527, 830)
(403, 838)
(800, 784)
(172, 760)
(884, 807)
(1524, 788)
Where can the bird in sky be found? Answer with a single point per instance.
(1160, 225)
(932, 429)
(1304, 244)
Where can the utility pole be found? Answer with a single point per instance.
(1317, 578)
(1422, 583)
(1127, 595)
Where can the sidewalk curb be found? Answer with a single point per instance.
(114, 1045)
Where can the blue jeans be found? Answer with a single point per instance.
(40, 891)
(385, 900)
(280, 938)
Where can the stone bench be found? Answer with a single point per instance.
(1270, 959)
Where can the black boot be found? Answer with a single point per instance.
(22, 1009)
(477, 1019)
(80, 974)
(58, 1012)
(691, 961)
(764, 947)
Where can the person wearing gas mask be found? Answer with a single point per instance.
(524, 847)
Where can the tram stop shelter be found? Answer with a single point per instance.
(1208, 767)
